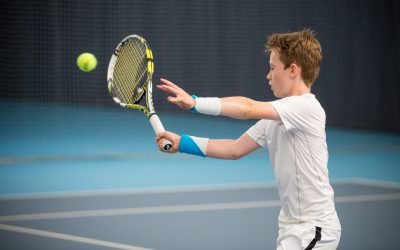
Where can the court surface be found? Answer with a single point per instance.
(70, 180)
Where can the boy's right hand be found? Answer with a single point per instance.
(172, 137)
(182, 99)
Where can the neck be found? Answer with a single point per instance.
(300, 88)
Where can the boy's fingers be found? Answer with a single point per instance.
(168, 89)
(169, 83)
(173, 100)
(160, 135)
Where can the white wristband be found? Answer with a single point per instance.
(208, 105)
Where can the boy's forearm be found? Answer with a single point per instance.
(219, 149)
(213, 148)
(236, 107)
(222, 149)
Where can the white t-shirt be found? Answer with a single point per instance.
(298, 151)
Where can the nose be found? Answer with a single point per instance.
(269, 77)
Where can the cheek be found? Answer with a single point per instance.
(280, 79)
(279, 84)
(276, 79)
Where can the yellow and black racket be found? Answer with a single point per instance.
(129, 78)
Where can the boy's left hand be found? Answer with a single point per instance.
(180, 98)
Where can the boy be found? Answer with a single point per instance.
(293, 129)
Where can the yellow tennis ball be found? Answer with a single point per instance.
(86, 62)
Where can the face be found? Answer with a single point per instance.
(278, 77)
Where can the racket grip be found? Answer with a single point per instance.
(158, 127)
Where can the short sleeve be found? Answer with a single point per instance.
(300, 112)
(258, 132)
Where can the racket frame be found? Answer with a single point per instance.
(148, 110)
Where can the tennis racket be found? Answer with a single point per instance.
(129, 79)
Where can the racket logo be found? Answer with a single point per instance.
(167, 147)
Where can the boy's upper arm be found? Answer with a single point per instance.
(245, 145)
(264, 110)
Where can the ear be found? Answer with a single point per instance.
(294, 70)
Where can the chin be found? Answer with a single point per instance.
(277, 94)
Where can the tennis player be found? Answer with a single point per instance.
(293, 130)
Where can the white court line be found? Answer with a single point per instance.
(182, 189)
(141, 210)
(367, 197)
(141, 191)
(372, 183)
(69, 237)
(183, 208)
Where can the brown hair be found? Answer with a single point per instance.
(301, 48)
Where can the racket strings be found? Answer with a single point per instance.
(142, 78)
(130, 72)
(128, 75)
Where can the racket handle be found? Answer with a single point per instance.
(158, 127)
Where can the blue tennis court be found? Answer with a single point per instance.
(69, 182)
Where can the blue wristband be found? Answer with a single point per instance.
(194, 110)
(189, 146)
